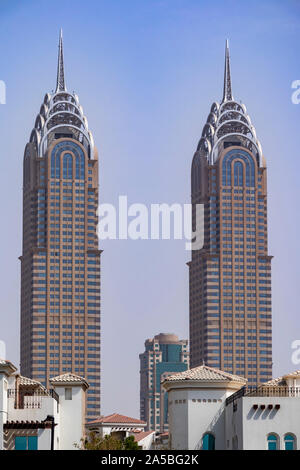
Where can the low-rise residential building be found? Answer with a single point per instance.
(33, 417)
(120, 427)
(212, 409)
(266, 417)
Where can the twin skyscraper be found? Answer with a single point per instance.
(230, 284)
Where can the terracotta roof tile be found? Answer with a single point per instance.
(116, 418)
(8, 365)
(205, 373)
(282, 380)
(139, 435)
(295, 374)
(277, 381)
(26, 381)
(69, 378)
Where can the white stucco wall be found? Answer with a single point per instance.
(257, 424)
(206, 416)
(44, 439)
(48, 406)
(71, 418)
(197, 408)
(201, 410)
(178, 420)
(234, 426)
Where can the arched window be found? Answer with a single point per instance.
(226, 168)
(238, 174)
(68, 166)
(289, 442)
(75, 150)
(208, 441)
(273, 442)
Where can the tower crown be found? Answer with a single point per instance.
(228, 123)
(61, 115)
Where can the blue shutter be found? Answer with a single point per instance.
(32, 443)
(20, 443)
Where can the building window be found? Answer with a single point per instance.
(68, 166)
(249, 168)
(68, 393)
(26, 443)
(76, 150)
(208, 441)
(273, 442)
(289, 442)
(238, 174)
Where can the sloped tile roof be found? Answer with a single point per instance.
(139, 435)
(205, 373)
(26, 381)
(116, 418)
(8, 364)
(69, 378)
(294, 374)
(282, 380)
(277, 381)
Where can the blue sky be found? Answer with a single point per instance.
(146, 73)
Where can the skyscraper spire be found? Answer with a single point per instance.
(227, 94)
(60, 83)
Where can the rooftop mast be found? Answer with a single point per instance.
(60, 83)
(227, 94)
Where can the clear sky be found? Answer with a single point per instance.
(146, 72)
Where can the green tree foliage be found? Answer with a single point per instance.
(94, 442)
(130, 443)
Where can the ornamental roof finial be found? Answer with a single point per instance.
(60, 83)
(227, 94)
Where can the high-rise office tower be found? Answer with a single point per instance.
(164, 355)
(60, 262)
(230, 276)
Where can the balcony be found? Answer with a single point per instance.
(265, 391)
(25, 399)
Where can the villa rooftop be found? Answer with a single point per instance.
(116, 418)
(282, 380)
(69, 379)
(205, 373)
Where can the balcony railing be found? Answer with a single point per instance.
(30, 398)
(265, 391)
